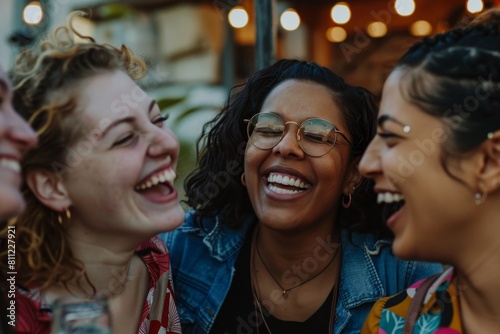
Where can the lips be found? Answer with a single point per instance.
(158, 186)
(394, 202)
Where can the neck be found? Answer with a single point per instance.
(108, 268)
(477, 286)
(291, 267)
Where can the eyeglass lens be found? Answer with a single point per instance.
(316, 136)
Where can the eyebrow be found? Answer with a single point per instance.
(386, 118)
(128, 119)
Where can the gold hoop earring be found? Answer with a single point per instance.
(243, 181)
(349, 200)
(68, 216)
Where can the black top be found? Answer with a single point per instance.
(238, 313)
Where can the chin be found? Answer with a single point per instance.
(171, 220)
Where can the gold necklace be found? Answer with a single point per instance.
(256, 293)
(284, 291)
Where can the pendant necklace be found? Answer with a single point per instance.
(284, 291)
(255, 288)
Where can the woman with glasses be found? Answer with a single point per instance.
(281, 239)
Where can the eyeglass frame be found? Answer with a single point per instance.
(334, 128)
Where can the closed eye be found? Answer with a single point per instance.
(388, 135)
(268, 131)
(130, 138)
(161, 120)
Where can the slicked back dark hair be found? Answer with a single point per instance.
(455, 76)
(214, 187)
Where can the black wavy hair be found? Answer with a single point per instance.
(455, 76)
(214, 187)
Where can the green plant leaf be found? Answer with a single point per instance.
(168, 102)
(192, 110)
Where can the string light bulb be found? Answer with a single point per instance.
(474, 6)
(238, 17)
(341, 13)
(33, 13)
(290, 19)
(404, 7)
(336, 34)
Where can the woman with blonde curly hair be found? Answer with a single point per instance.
(98, 188)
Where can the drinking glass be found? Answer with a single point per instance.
(81, 315)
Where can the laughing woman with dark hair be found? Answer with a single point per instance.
(281, 238)
(442, 104)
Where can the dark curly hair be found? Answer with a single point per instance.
(214, 187)
(456, 76)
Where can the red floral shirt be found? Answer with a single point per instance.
(34, 315)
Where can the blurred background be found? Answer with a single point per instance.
(197, 50)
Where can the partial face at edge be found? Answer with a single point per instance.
(16, 137)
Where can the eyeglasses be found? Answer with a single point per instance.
(315, 136)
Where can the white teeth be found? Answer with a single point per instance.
(10, 164)
(389, 198)
(282, 191)
(286, 181)
(167, 175)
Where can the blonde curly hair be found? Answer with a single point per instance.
(45, 80)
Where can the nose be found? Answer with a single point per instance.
(17, 130)
(370, 164)
(289, 146)
(163, 142)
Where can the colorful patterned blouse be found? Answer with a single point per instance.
(440, 313)
(158, 316)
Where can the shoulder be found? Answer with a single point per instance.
(389, 313)
(374, 256)
(372, 322)
(154, 254)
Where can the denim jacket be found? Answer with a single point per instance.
(203, 268)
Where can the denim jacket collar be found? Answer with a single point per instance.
(222, 242)
(356, 266)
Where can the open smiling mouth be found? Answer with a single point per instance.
(10, 164)
(394, 202)
(284, 184)
(158, 186)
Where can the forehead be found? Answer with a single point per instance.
(395, 104)
(109, 95)
(298, 100)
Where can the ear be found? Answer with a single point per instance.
(353, 178)
(49, 189)
(488, 173)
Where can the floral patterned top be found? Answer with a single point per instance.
(159, 314)
(440, 313)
